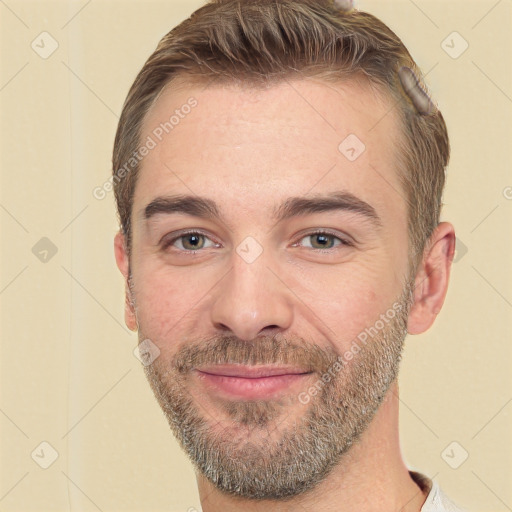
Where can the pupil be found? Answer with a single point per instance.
(322, 240)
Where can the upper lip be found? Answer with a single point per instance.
(251, 372)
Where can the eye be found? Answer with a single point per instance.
(195, 241)
(188, 242)
(322, 240)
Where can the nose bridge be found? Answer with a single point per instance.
(250, 298)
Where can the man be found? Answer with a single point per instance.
(278, 171)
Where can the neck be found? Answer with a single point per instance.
(371, 476)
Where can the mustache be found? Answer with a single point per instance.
(265, 350)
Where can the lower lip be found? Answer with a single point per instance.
(258, 388)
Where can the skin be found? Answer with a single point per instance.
(269, 145)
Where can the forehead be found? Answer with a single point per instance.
(247, 147)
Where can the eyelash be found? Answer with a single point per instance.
(344, 242)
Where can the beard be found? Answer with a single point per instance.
(282, 447)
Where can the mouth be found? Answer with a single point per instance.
(250, 382)
(251, 372)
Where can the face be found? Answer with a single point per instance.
(269, 268)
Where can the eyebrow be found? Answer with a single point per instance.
(292, 207)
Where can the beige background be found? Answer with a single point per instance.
(68, 373)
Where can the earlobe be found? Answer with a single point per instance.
(431, 283)
(123, 264)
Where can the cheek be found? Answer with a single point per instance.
(334, 302)
(165, 301)
(347, 298)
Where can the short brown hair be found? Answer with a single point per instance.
(262, 42)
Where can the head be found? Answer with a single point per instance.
(283, 137)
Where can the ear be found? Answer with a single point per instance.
(431, 282)
(123, 264)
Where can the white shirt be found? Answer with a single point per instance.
(436, 501)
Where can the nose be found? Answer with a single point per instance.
(251, 300)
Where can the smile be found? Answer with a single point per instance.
(250, 382)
